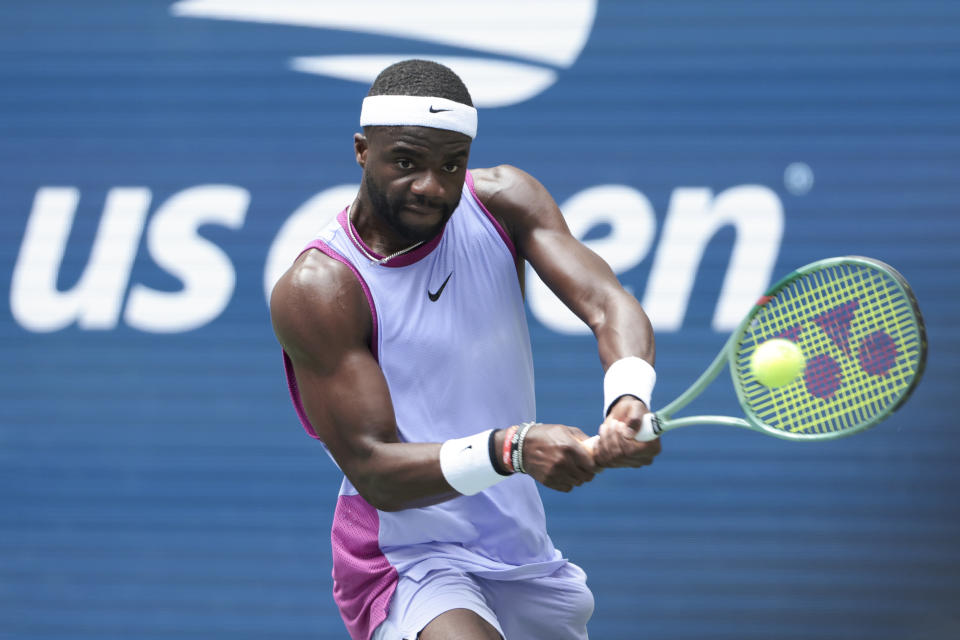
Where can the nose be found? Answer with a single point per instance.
(428, 185)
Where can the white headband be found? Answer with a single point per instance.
(438, 113)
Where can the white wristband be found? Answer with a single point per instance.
(630, 376)
(466, 463)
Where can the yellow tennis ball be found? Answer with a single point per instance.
(777, 362)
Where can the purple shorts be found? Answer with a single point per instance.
(554, 607)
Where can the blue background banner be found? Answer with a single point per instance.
(160, 161)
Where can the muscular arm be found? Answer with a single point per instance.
(584, 282)
(323, 322)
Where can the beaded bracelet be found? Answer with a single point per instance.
(514, 454)
(518, 439)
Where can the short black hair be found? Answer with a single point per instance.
(420, 78)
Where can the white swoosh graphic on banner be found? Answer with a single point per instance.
(550, 32)
(492, 83)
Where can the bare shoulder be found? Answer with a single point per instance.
(503, 183)
(517, 199)
(318, 308)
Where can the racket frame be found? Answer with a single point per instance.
(655, 423)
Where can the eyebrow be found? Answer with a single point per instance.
(420, 150)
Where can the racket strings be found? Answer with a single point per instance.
(858, 331)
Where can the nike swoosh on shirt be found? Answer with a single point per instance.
(435, 296)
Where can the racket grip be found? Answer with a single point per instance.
(649, 430)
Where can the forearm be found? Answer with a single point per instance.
(623, 329)
(403, 475)
(400, 475)
(588, 287)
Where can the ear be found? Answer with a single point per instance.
(360, 147)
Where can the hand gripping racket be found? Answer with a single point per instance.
(860, 330)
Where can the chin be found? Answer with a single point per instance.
(420, 226)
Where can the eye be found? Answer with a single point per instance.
(404, 164)
(450, 167)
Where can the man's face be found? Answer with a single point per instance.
(412, 177)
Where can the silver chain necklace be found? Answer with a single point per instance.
(363, 249)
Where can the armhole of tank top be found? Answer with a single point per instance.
(330, 252)
(493, 220)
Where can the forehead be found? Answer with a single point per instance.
(419, 139)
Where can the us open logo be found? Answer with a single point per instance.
(507, 52)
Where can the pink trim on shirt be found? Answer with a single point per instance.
(496, 223)
(400, 261)
(324, 248)
(295, 396)
(363, 578)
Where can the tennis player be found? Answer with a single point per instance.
(407, 355)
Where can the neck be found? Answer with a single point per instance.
(386, 248)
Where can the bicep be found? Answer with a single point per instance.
(348, 403)
(349, 406)
(323, 322)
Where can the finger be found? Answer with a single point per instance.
(578, 465)
(645, 461)
(650, 448)
(620, 442)
(604, 427)
(603, 452)
(600, 448)
(623, 431)
(584, 476)
(610, 425)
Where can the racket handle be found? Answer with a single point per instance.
(649, 430)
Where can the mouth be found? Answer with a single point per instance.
(423, 210)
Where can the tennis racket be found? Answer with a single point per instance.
(858, 325)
